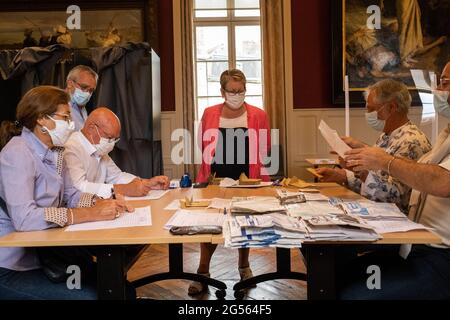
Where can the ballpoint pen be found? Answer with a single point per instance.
(113, 194)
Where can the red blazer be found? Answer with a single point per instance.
(259, 140)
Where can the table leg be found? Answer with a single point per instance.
(176, 272)
(320, 268)
(111, 273)
(283, 272)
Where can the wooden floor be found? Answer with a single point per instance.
(223, 268)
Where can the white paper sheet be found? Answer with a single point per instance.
(333, 139)
(230, 183)
(141, 217)
(383, 226)
(152, 195)
(308, 196)
(186, 218)
(174, 205)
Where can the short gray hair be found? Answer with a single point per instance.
(391, 90)
(73, 74)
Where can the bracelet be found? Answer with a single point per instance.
(389, 165)
(71, 215)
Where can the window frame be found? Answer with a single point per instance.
(230, 22)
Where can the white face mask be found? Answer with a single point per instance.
(374, 122)
(234, 101)
(80, 98)
(441, 103)
(105, 146)
(61, 133)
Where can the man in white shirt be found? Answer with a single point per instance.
(90, 167)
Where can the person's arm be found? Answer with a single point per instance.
(431, 179)
(78, 175)
(18, 179)
(113, 173)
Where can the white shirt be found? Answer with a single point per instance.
(89, 172)
(434, 211)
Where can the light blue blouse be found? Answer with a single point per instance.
(30, 183)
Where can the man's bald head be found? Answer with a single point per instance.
(107, 123)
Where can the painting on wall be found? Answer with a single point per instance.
(43, 28)
(410, 34)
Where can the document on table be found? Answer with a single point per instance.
(186, 218)
(141, 217)
(230, 183)
(333, 139)
(152, 195)
(383, 226)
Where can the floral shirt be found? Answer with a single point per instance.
(405, 142)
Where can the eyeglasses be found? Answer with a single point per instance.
(84, 87)
(235, 93)
(66, 117)
(445, 81)
(110, 140)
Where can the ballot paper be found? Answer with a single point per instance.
(215, 203)
(308, 196)
(218, 203)
(385, 226)
(187, 218)
(141, 217)
(333, 139)
(312, 209)
(174, 205)
(230, 183)
(256, 205)
(152, 195)
(371, 210)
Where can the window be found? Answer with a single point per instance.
(227, 35)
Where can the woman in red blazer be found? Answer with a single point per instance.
(235, 139)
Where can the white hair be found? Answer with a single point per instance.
(74, 73)
(391, 91)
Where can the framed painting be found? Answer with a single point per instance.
(374, 40)
(102, 23)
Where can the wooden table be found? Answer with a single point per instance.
(111, 245)
(320, 256)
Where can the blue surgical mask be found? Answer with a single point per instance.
(80, 97)
(374, 122)
(441, 103)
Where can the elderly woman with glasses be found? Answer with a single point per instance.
(235, 137)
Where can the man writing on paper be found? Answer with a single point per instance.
(90, 167)
(388, 103)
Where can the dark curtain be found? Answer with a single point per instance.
(124, 86)
(125, 79)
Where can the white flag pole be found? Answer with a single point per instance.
(435, 122)
(347, 107)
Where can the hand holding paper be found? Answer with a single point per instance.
(333, 139)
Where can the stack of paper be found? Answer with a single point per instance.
(230, 183)
(256, 205)
(272, 230)
(341, 227)
(383, 217)
(186, 218)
